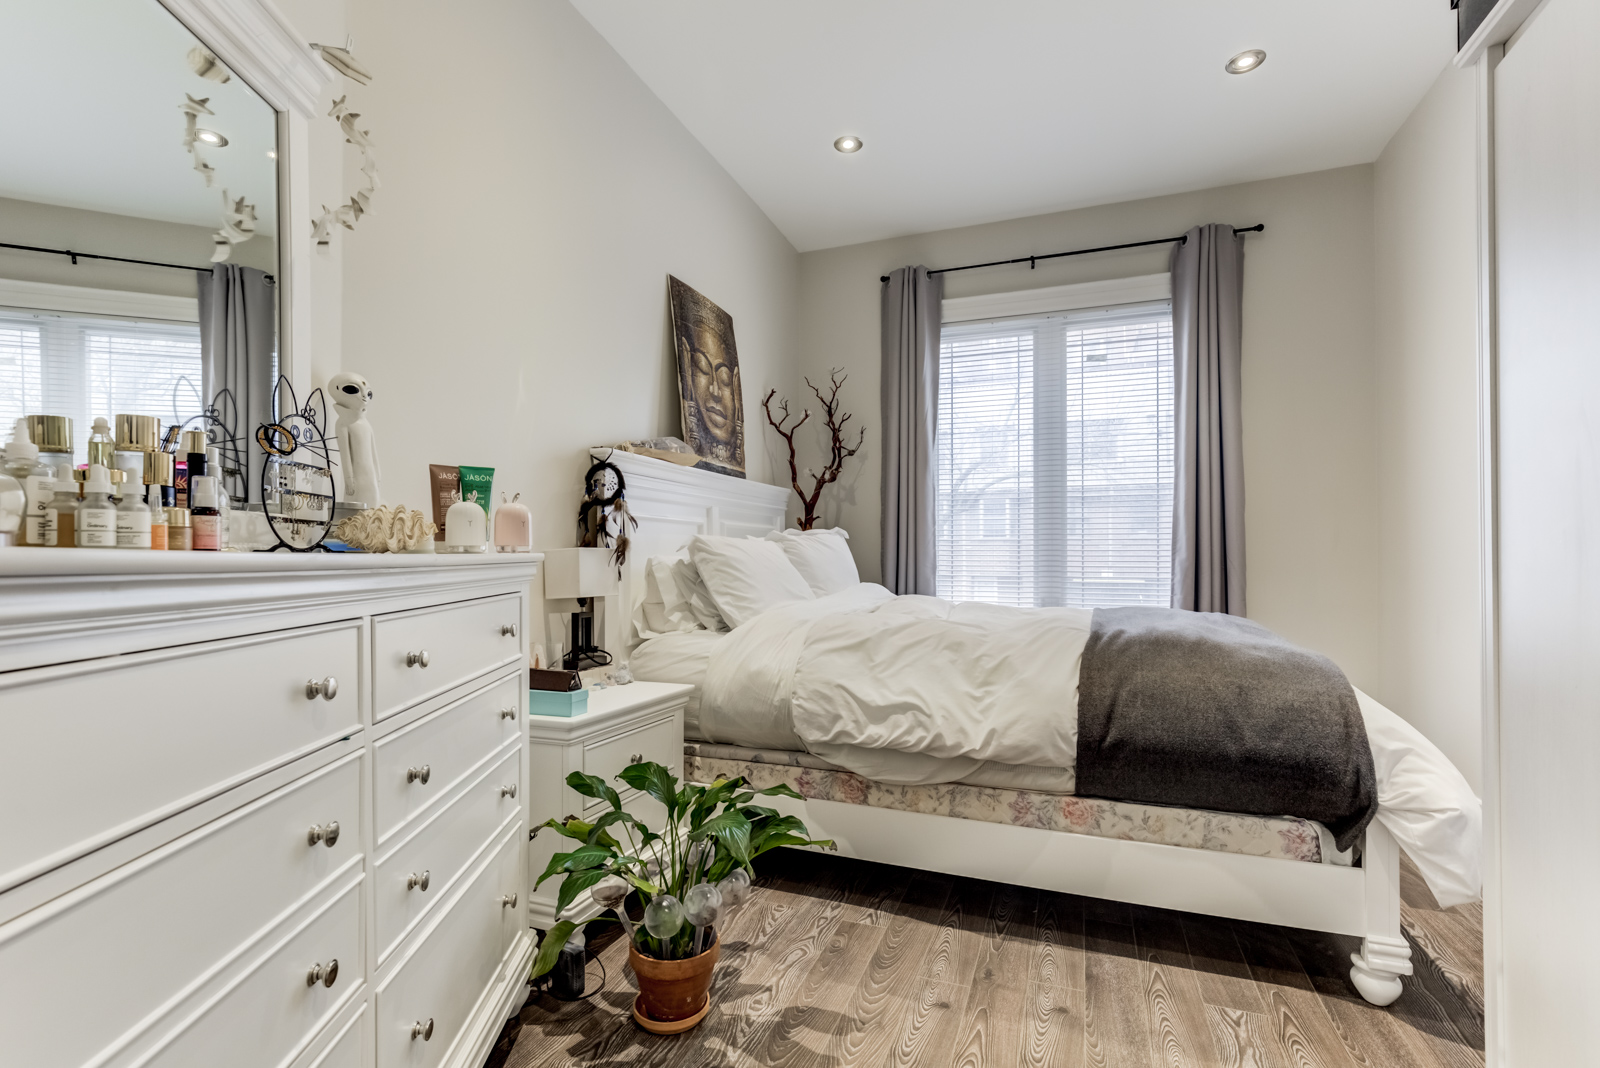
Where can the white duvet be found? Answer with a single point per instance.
(921, 690)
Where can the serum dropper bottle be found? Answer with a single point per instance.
(97, 516)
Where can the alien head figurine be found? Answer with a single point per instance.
(358, 448)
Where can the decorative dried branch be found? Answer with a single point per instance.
(838, 450)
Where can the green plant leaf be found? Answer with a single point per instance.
(594, 786)
(783, 789)
(789, 840)
(755, 812)
(641, 884)
(550, 948)
(576, 883)
(731, 829)
(656, 781)
(618, 817)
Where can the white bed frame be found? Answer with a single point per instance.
(674, 503)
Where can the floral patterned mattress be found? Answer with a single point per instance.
(1281, 837)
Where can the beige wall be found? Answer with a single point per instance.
(24, 222)
(1310, 505)
(506, 298)
(1426, 282)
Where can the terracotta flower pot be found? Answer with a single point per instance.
(674, 989)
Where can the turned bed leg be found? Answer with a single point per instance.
(1385, 954)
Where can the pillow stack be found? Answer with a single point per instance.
(717, 583)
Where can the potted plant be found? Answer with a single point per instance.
(697, 866)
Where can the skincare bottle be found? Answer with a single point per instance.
(60, 519)
(22, 464)
(101, 445)
(158, 518)
(180, 535)
(13, 502)
(204, 513)
(224, 498)
(137, 435)
(53, 435)
(133, 519)
(158, 471)
(97, 516)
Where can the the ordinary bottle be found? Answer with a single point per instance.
(37, 481)
(133, 520)
(204, 513)
(97, 516)
(224, 498)
(60, 519)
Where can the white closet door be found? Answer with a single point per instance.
(1547, 155)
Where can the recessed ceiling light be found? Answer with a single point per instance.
(212, 138)
(1245, 62)
(848, 144)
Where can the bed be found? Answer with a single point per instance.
(1021, 820)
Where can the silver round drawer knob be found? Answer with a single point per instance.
(417, 882)
(325, 974)
(508, 713)
(508, 901)
(422, 774)
(508, 630)
(327, 835)
(417, 659)
(422, 1030)
(636, 758)
(509, 791)
(327, 689)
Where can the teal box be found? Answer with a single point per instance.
(565, 704)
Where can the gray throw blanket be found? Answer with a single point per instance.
(1202, 710)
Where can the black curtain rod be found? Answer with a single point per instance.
(1031, 260)
(76, 256)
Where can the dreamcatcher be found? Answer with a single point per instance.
(297, 477)
(603, 517)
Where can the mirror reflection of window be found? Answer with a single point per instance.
(126, 139)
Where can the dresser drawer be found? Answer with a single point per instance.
(425, 865)
(660, 742)
(344, 1051)
(440, 748)
(424, 653)
(103, 748)
(271, 1011)
(146, 935)
(450, 968)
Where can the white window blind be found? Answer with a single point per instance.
(85, 366)
(1054, 457)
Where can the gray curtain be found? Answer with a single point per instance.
(1208, 498)
(910, 401)
(238, 347)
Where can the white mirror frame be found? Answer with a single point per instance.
(257, 43)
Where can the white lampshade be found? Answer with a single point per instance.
(572, 573)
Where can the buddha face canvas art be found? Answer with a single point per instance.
(708, 380)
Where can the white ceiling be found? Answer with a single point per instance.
(91, 119)
(977, 111)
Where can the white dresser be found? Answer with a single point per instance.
(261, 809)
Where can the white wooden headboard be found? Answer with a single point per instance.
(673, 504)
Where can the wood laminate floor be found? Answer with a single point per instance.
(835, 962)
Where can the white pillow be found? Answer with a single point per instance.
(685, 603)
(746, 576)
(822, 557)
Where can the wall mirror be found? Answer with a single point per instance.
(130, 144)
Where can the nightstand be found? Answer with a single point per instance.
(623, 725)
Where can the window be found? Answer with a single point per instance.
(1054, 458)
(85, 366)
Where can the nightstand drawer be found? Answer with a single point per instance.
(417, 655)
(425, 760)
(660, 742)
